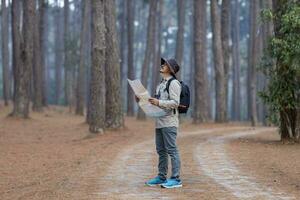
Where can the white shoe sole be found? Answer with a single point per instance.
(169, 187)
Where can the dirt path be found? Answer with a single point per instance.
(214, 161)
(132, 167)
(51, 157)
(220, 179)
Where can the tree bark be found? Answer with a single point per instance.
(192, 76)
(48, 78)
(66, 60)
(180, 32)
(73, 54)
(153, 54)
(268, 31)
(253, 58)
(22, 73)
(80, 89)
(43, 38)
(130, 72)
(157, 52)
(88, 63)
(148, 53)
(37, 66)
(113, 110)
(16, 41)
(200, 79)
(123, 47)
(97, 84)
(225, 36)
(249, 55)
(5, 52)
(260, 76)
(218, 63)
(235, 32)
(58, 52)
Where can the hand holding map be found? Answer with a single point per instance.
(141, 92)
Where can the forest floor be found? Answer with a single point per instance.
(52, 156)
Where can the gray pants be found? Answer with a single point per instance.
(165, 139)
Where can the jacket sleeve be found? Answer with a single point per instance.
(174, 94)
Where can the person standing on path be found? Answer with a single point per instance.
(167, 97)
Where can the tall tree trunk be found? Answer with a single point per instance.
(139, 32)
(88, 63)
(153, 54)
(66, 59)
(235, 32)
(192, 61)
(249, 55)
(148, 52)
(225, 36)
(73, 61)
(123, 46)
(254, 6)
(130, 72)
(48, 79)
(113, 110)
(180, 32)
(58, 52)
(37, 66)
(43, 38)
(200, 78)
(218, 63)
(5, 52)
(268, 31)
(16, 41)
(23, 71)
(157, 53)
(80, 89)
(260, 77)
(97, 84)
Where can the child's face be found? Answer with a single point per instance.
(164, 69)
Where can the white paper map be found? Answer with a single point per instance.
(141, 92)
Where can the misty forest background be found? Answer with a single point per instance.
(240, 58)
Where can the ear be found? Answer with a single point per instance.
(168, 69)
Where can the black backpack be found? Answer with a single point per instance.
(184, 96)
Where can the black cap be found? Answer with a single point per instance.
(172, 64)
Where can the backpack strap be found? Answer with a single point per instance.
(168, 84)
(167, 89)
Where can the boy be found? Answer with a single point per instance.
(167, 126)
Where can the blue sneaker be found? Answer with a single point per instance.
(155, 181)
(172, 183)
